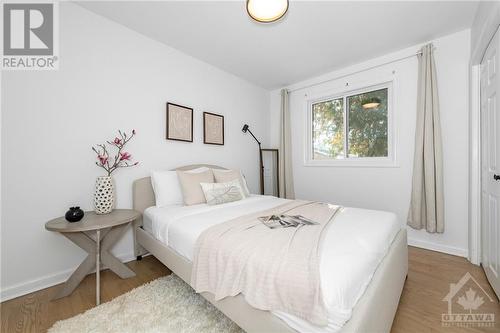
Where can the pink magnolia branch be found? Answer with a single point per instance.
(121, 159)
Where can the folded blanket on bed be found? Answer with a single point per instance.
(275, 269)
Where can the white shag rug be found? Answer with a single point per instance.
(166, 304)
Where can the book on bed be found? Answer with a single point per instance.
(285, 221)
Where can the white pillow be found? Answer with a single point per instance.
(167, 188)
(219, 193)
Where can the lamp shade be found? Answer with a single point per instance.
(267, 10)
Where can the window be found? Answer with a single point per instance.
(353, 127)
(328, 129)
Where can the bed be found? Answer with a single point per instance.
(371, 300)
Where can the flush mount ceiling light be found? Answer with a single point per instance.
(371, 103)
(266, 11)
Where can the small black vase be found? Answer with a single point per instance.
(74, 214)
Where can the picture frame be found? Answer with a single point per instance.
(179, 126)
(213, 129)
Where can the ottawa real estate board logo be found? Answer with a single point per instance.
(30, 36)
(466, 300)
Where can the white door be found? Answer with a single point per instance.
(490, 163)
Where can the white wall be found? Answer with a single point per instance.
(389, 188)
(109, 78)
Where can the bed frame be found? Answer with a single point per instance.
(374, 311)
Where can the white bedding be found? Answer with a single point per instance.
(354, 245)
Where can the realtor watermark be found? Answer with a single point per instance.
(30, 35)
(465, 299)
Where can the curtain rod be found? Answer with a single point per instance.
(359, 71)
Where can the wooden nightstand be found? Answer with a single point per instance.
(95, 234)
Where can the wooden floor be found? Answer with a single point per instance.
(420, 309)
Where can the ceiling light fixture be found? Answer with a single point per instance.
(267, 11)
(371, 103)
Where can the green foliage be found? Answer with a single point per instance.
(367, 128)
(328, 129)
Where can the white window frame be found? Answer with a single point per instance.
(389, 161)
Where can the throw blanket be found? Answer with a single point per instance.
(275, 269)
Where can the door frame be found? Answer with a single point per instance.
(474, 240)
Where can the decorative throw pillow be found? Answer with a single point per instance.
(190, 185)
(224, 176)
(219, 193)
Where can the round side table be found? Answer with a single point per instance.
(96, 234)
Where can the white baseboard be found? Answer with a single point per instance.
(456, 251)
(43, 282)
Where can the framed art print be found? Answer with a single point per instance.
(213, 128)
(179, 123)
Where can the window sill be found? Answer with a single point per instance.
(353, 163)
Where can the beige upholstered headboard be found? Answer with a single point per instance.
(144, 197)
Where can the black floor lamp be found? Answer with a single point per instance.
(246, 129)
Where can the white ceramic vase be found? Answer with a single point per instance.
(104, 196)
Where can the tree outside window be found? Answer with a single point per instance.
(364, 117)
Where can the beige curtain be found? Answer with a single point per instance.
(427, 199)
(285, 153)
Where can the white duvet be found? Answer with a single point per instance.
(354, 245)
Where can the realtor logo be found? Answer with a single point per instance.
(29, 36)
(465, 299)
(28, 29)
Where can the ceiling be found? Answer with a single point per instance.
(313, 38)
